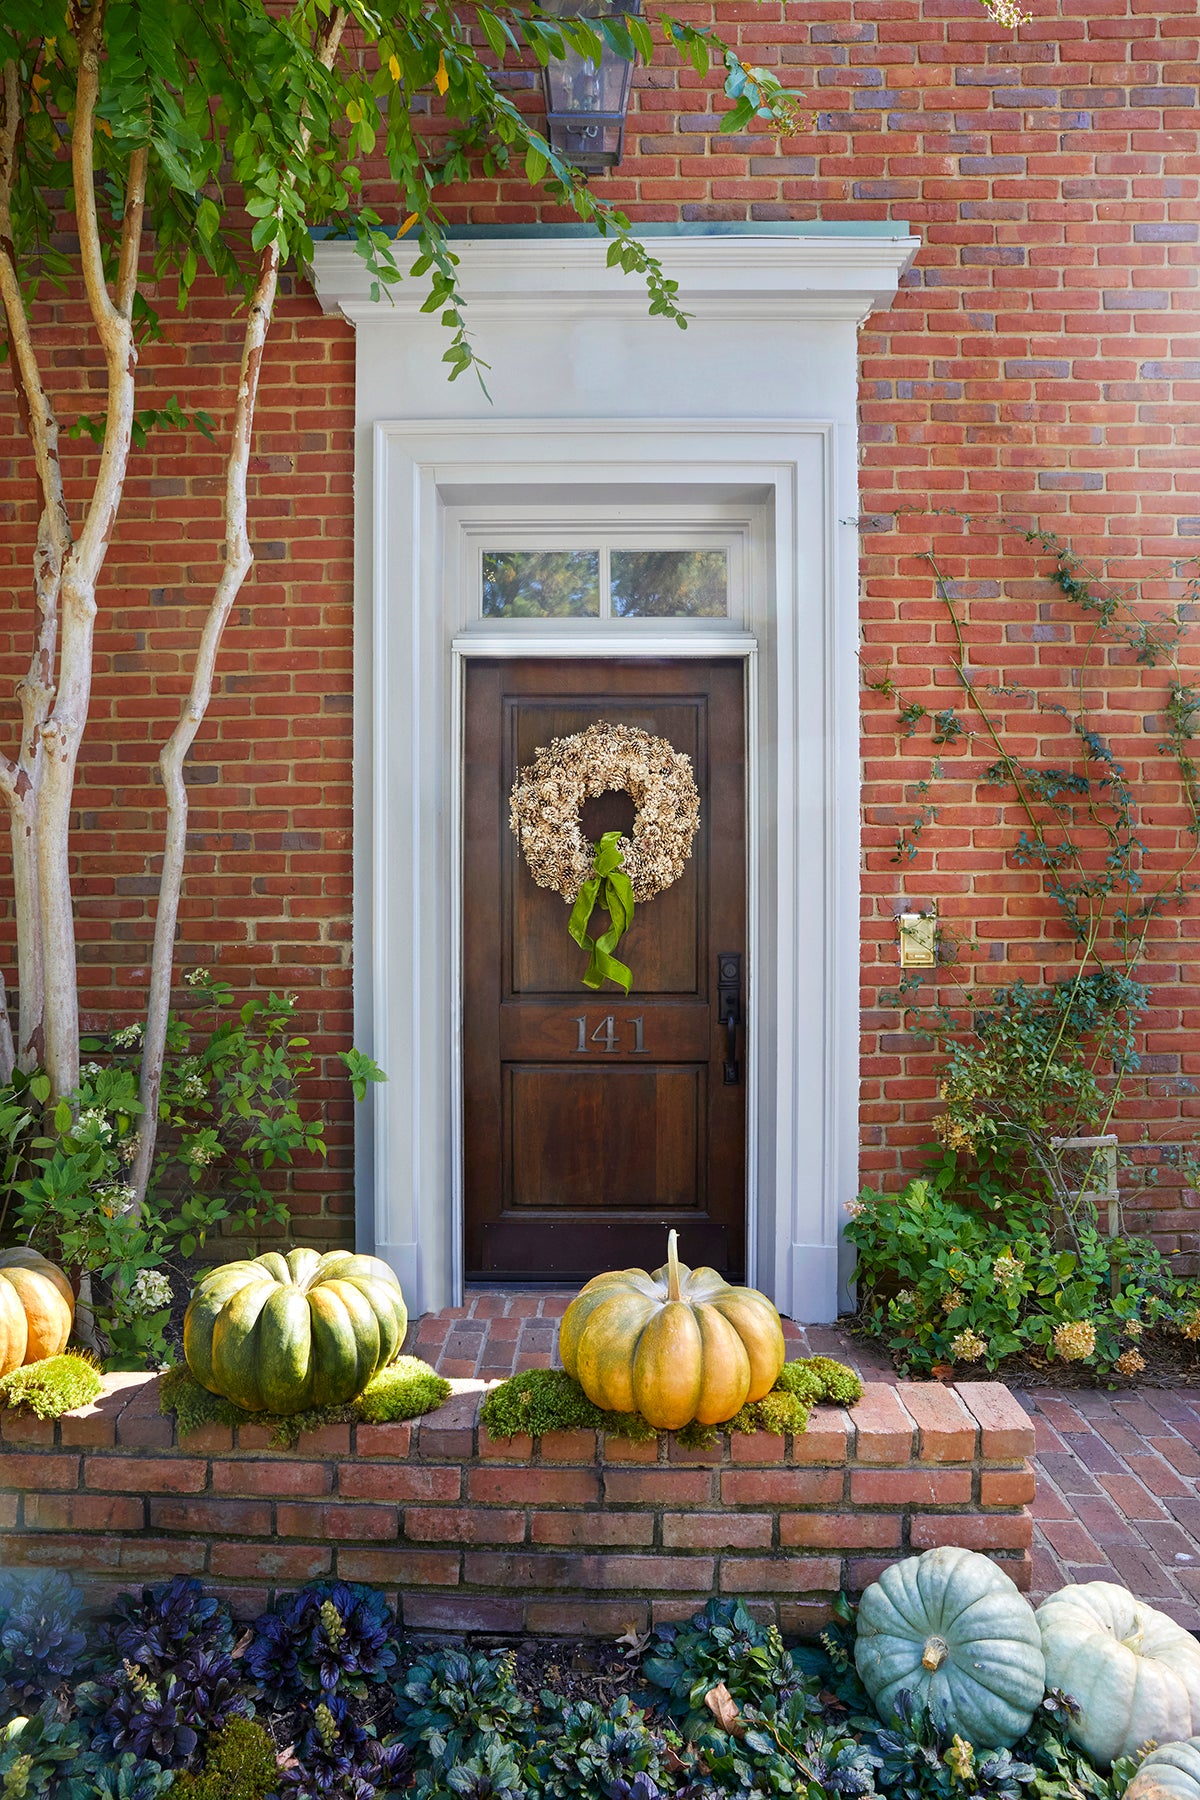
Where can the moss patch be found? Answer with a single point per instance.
(52, 1387)
(407, 1388)
(542, 1400)
(404, 1390)
(240, 1764)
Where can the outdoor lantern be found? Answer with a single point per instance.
(586, 99)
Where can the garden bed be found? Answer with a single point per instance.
(574, 1532)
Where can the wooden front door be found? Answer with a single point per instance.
(593, 1121)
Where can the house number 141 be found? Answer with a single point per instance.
(605, 1035)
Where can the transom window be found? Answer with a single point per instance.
(605, 583)
(630, 565)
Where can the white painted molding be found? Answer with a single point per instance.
(720, 278)
(593, 404)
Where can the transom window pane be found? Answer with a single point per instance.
(669, 584)
(605, 583)
(541, 584)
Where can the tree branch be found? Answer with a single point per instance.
(239, 558)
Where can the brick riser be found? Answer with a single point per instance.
(565, 1536)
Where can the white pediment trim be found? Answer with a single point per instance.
(720, 278)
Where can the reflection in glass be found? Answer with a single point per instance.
(541, 584)
(669, 584)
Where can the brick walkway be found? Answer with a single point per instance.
(1118, 1474)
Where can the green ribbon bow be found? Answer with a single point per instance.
(611, 886)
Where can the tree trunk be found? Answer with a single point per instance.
(62, 732)
(239, 559)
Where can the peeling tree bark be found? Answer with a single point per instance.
(239, 559)
(62, 731)
(20, 779)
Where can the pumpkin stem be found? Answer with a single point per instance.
(673, 1291)
(936, 1652)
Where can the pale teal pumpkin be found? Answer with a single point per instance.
(952, 1629)
(1169, 1773)
(1133, 1673)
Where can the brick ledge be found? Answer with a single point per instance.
(577, 1532)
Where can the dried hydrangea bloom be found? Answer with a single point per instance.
(549, 792)
(1075, 1340)
(968, 1346)
(1130, 1362)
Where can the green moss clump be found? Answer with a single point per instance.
(52, 1387)
(542, 1400)
(839, 1385)
(404, 1390)
(240, 1764)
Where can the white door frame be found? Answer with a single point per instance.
(589, 395)
(800, 644)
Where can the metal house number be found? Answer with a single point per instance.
(606, 1036)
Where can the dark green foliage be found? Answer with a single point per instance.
(407, 1388)
(239, 1764)
(41, 1640)
(949, 1272)
(363, 1726)
(450, 1704)
(584, 1750)
(542, 1400)
(723, 1644)
(52, 1387)
(38, 1752)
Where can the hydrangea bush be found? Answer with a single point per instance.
(951, 1273)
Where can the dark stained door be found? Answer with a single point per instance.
(593, 1122)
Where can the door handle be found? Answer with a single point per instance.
(729, 1006)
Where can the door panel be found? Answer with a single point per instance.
(593, 1121)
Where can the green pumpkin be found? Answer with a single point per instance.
(951, 1628)
(282, 1334)
(1172, 1773)
(1133, 1673)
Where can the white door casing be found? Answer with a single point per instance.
(751, 409)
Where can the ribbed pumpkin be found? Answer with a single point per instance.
(952, 1628)
(1133, 1673)
(1169, 1773)
(285, 1333)
(676, 1346)
(37, 1309)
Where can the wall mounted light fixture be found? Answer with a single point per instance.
(586, 96)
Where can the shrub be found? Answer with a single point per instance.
(945, 1280)
(332, 1638)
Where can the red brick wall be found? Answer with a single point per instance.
(1042, 358)
(568, 1532)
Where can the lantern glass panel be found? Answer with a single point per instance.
(586, 97)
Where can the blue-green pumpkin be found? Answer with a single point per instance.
(951, 1628)
(282, 1334)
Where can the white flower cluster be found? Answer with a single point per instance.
(548, 793)
(192, 1085)
(128, 1038)
(149, 1293)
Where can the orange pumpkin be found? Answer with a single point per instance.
(676, 1346)
(37, 1309)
